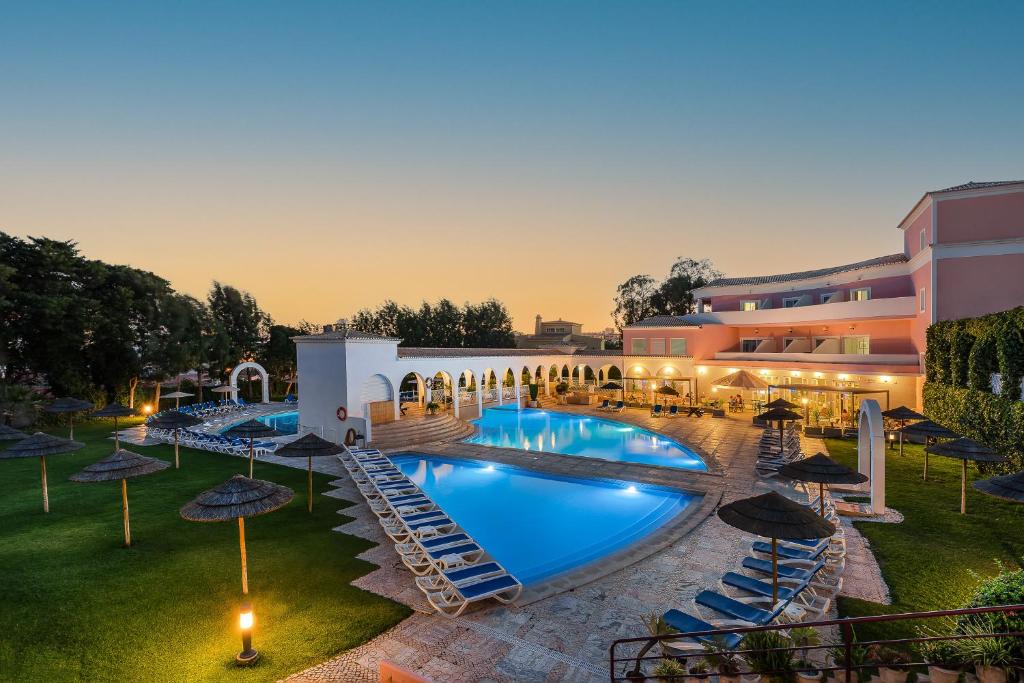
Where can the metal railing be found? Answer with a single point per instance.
(630, 659)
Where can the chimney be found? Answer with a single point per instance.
(328, 329)
(537, 326)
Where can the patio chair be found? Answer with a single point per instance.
(453, 599)
(619, 406)
(656, 411)
(673, 410)
(604, 405)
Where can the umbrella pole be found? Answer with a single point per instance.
(71, 426)
(124, 509)
(821, 497)
(775, 571)
(117, 443)
(176, 431)
(903, 423)
(926, 461)
(46, 497)
(963, 488)
(309, 490)
(241, 545)
(251, 455)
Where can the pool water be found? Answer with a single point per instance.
(589, 437)
(538, 525)
(286, 423)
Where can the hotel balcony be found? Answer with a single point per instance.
(909, 359)
(895, 307)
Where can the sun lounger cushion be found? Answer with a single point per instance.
(685, 623)
(734, 608)
(755, 586)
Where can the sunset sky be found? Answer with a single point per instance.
(326, 156)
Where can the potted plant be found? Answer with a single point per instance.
(768, 655)
(723, 660)
(698, 672)
(939, 654)
(669, 671)
(562, 388)
(858, 658)
(892, 665)
(805, 637)
(991, 656)
(432, 408)
(534, 390)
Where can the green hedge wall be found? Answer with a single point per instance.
(961, 357)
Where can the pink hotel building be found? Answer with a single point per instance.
(856, 326)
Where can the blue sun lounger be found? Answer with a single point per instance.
(731, 607)
(685, 623)
(785, 571)
(789, 552)
(756, 586)
(453, 599)
(476, 572)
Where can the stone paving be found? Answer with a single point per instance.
(564, 635)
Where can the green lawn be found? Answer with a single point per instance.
(75, 605)
(936, 557)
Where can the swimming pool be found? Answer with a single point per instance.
(286, 423)
(589, 437)
(538, 525)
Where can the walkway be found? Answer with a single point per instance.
(564, 636)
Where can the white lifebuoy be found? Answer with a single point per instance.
(341, 413)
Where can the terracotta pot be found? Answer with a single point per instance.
(750, 678)
(728, 678)
(892, 675)
(937, 674)
(990, 674)
(808, 676)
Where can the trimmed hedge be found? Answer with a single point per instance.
(961, 357)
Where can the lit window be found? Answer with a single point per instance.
(862, 294)
(748, 305)
(638, 346)
(677, 347)
(922, 300)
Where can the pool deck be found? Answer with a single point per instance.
(564, 635)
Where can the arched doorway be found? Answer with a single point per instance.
(249, 365)
(378, 396)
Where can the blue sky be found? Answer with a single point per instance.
(445, 149)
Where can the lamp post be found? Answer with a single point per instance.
(245, 619)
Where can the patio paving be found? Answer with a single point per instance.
(564, 635)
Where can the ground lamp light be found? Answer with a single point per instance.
(174, 421)
(121, 465)
(237, 498)
(306, 447)
(964, 449)
(250, 430)
(114, 410)
(40, 445)
(820, 469)
(902, 414)
(775, 516)
(69, 406)
(929, 430)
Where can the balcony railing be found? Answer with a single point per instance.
(634, 659)
(811, 357)
(894, 307)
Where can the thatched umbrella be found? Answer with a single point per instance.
(175, 421)
(121, 465)
(929, 430)
(69, 406)
(114, 410)
(177, 396)
(222, 389)
(902, 414)
(237, 498)
(1007, 487)
(40, 445)
(611, 386)
(775, 516)
(964, 449)
(741, 379)
(781, 415)
(666, 390)
(308, 446)
(780, 403)
(250, 430)
(821, 469)
(11, 434)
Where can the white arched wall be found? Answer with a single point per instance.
(871, 451)
(233, 380)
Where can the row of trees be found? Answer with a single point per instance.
(85, 327)
(483, 325)
(641, 296)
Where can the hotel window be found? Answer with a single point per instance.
(922, 240)
(791, 302)
(859, 345)
(748, 305)
(862, 294)
(658, 346)
(677, 347)
(829, 298)
(749, 345)
(638, 346)
(922, 300)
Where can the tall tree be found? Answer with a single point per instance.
(237, 315)
(487, 325)
(278, 354)
(634, 300)
(675, 294)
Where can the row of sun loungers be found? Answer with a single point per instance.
(451, 569)
(211, 408)
(774, 453)
(810, 576)
(217, 443)
(606, 404)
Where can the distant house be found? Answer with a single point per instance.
(559, 334)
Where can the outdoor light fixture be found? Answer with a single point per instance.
(885, 379)
(247, 655)
(817, 374)
(147, 409)
(702, 371)
(844, 377)
(892, 441)
(795, 373)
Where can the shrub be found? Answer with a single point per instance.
(766, 657)
(991, 419)
(1006, 588)
(982, 362)
(669, 670)
(1010, 350)
(562, 388)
